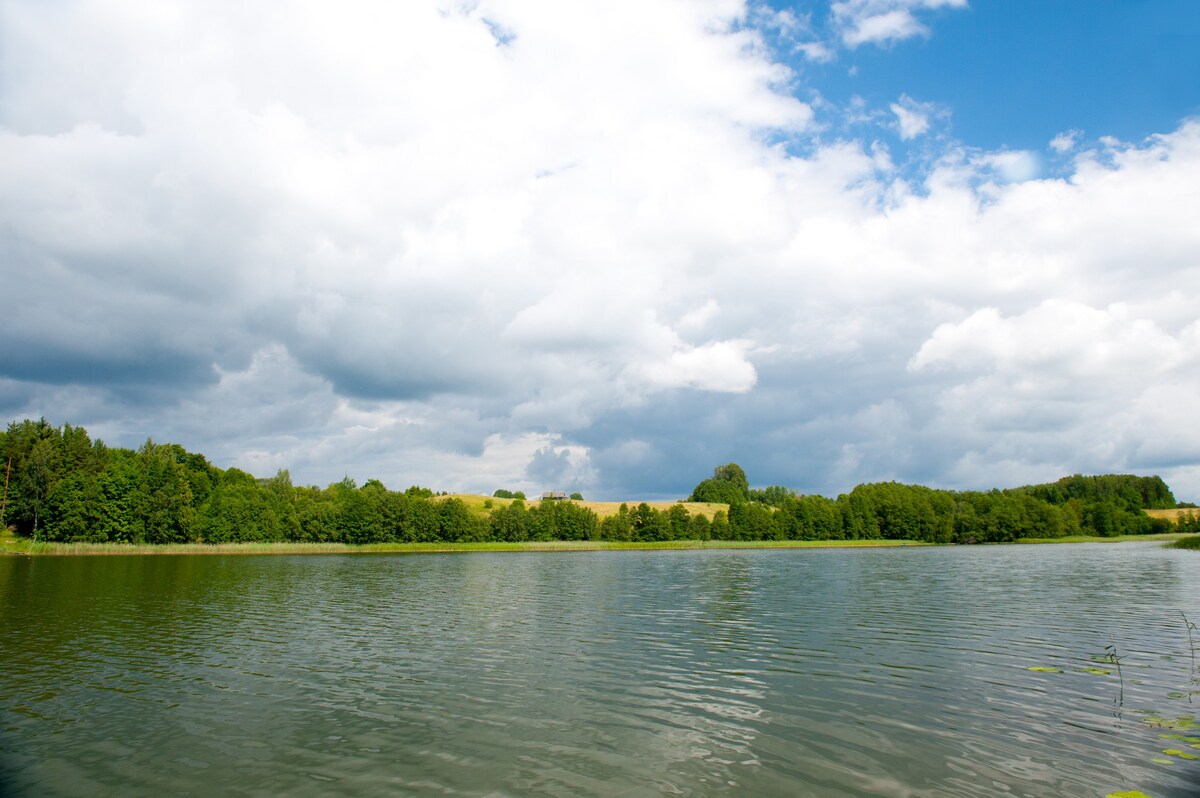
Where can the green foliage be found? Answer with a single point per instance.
(775, 496)
(618, 526)
(577, 496)
(649, 524)
(511, 523)
(66, 487)
(727, 485)
(1126, 491)
(550, 520)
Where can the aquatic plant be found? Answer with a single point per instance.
(1110, 656)
(1190, 627)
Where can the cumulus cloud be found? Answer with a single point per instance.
(513, 243)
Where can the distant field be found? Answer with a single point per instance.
(602, 509)
(1172, 515)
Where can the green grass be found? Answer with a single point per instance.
(53, 549)
(1097, 539)
(9, 544)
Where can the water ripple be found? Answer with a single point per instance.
(838, 672)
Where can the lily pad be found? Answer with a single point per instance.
(1127, 794)
(1097, 671)
(1045, 669)
(1158, 760)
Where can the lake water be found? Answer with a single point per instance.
(898, 672)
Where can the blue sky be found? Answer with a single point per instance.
(1016, 73)
(606, 246)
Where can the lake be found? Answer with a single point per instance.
(831, 672)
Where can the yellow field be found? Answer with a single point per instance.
(602, 509)
(1172, 515)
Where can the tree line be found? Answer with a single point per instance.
(61, 485)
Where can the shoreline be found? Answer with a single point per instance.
(14, 547)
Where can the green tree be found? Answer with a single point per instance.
(71, 509)
(618, 526)
(511, 523)
(649, 524)
(728, 485)
(166, 507)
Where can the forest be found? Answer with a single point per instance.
(60, 485)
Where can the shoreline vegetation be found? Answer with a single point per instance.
(17, 546)
(67, 494)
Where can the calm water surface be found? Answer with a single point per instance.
(792, 673)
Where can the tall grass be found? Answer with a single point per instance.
(1095, 539)
(53, 549)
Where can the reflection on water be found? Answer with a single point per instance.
(831, 672)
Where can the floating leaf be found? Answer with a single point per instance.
(1158, 760)
(1173, 737)
(1186, 755)
(1176, 695)
(1185, 722)
(1045, 669)
(1127, 794)
(1097, 671)
(1172, 751)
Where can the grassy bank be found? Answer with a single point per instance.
(1166, 536)
(53, 549)
(1190, 542)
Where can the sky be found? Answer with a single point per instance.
(606, 246)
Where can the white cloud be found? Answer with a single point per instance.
(370, 240)
(720, 366)
(1066, 141)
(1011, 166)
(816, 51)
(884, 21)
(912, 117)
(912, 122)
